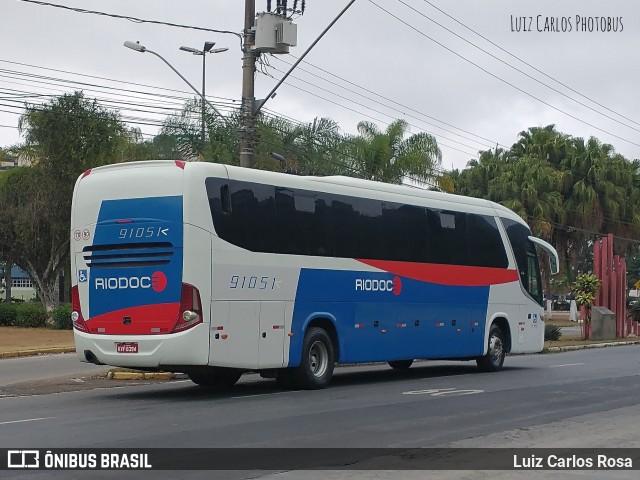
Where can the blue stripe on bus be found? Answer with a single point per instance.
(377, 320)
(144, 221)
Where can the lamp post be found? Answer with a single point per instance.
(208, 48)
(142, 49)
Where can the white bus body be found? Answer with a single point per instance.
(215, 270)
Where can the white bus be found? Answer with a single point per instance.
(214, 270)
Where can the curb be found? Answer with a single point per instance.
(133, 375)
(41, 351)
(592, 345)
(54, 350)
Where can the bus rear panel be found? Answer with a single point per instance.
(127, 255)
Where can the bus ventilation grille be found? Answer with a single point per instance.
(123, 255)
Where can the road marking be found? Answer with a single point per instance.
(566, 365)
(27, 420)
(441, 392)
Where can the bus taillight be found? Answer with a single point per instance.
(76, 313)
(190, 313)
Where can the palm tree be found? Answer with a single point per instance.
(474, 180)
(545, 143)
(389, 157)
(603, 195)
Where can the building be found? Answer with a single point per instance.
(21, 285)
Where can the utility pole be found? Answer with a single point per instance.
(248, 87)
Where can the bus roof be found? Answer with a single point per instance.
(205, 169)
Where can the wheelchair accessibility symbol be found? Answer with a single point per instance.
(82, 275)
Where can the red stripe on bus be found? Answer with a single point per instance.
(155, 319)
(455, 275)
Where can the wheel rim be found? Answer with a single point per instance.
(318, 359)
(496, 349)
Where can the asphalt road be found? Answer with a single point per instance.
(26, 369)
(585, 398)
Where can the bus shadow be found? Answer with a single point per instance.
(252, 385)
(420, 371)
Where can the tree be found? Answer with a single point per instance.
(63, 138)
(39, 240)
(389, 157)
(183, 134)
(585, 290)
(7, 235)
(474, 180)
(566, 188)
(315, 148)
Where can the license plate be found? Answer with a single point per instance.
(130, 347)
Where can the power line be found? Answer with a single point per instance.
(387, 106)
(501, 79)
(131, 19)
(113, 80)
(84, 85)
(528, 64)
(369, 116)
(374, 110)
(517, 69)
(395, 102)
(593, 232)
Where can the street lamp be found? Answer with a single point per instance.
(208, 48)
(141, 48)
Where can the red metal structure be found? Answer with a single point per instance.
(612, 271)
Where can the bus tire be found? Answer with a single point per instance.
(218, 377)
(401, 364)
(317, 362)
(496, 351)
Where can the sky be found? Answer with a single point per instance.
(473, 73)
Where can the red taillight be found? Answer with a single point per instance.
(180, 163)
(87, 172)
(190, 313)
(76, 314)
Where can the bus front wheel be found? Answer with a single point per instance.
(318, 359)
(218, 377)
(496, 351)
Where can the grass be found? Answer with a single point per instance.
(561, 319)
(15, 339)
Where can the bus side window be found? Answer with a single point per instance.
(225, 198)
(447, 237)
(485, 243)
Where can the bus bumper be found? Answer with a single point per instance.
(190, 347)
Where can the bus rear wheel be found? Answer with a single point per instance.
(218, 377)
(496, 351)
(401, 364)
(317, 363)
